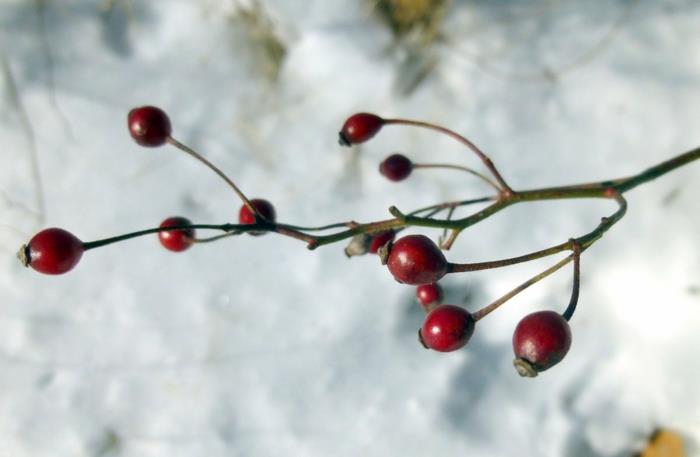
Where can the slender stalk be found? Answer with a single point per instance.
(115, 239)
(483, 312)
(321, 228)
(583, 242)
(446, 205)
(460, 168)
(651, 173)
(504, 187)
(465, 267)
(571, 308)
(216, 238)
(221, 174)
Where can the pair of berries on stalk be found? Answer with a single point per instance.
(178, 240)
(540, 341)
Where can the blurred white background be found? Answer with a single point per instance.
(258, 347)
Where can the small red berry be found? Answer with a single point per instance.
(149, 126)
(264, 207)
(447, 328)
(176, 240)
(416, 260)
(53, 251)
(540, 341)
(359, 128)
(396, 167)
(429, 295)
(380, 239)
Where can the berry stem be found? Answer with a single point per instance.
(321, 228)
(577, 246)
(483, 312)
(569, 312)
(216, 237)
(446, 205)
(573, 244)
(115, 239)
(216, 170)
(450, 212)
(460, 168)
(504, 187)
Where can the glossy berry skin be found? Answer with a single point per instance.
(53, 251)
(359, 128)
(396, 167)
(149, 126)
(540, 341)
(429, 295)
(176, 240)
(264, 207)
(416, 260)
(380, 239)
(447, 328)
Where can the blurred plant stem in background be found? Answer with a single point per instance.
(263, 37)
(416, 25)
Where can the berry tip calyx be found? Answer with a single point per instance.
(524, 368)
(359, 128)
(23, 255)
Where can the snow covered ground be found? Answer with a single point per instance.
(258, 347)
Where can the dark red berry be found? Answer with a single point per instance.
(540, 341)
(429, 295)
(447, 328)
(264, 207)
(149, 126)
(176, 240)
(380, 239)
(416, 260)
(396, 167)
(359, 128)
(53, 251)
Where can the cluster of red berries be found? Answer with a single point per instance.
(540, 341)
(55, 251)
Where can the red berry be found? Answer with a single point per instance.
(149, 126)
(447, 328)
(380, 239)
(264, 207)
(176, 240)
(416, 260)
(359, 128)
(53, 251)
(540, 341)
(429, 295)
(396, 167)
